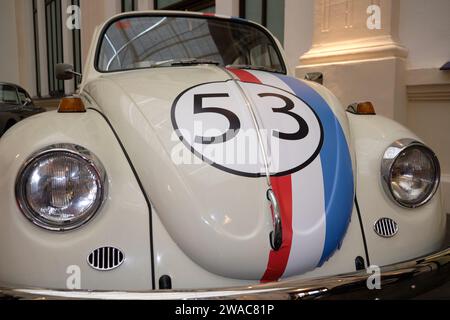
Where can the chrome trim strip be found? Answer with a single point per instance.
(250, 109)
(276, 236)
(402, 280)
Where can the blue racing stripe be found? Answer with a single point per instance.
(336, 167)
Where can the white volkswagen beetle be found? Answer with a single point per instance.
(191, 165)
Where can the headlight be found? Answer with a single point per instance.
(410, 173)
(61, 187)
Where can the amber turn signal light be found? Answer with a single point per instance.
(363, 108)
(71, 104)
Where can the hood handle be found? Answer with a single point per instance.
(276, 236)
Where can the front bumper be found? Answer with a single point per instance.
(403, 280)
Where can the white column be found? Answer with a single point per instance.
(110, 7)
(9, 64)
(93, 14)
(25, 45)
(298, 30)
(144, 5)
(227, 7)
(359, 62)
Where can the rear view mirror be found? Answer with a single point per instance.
(64, 71)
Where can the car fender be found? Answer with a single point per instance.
(6, 119)
(42, 258)
(420, 230)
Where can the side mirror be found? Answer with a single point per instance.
(315, 77)
(64, 71)
(28, 101)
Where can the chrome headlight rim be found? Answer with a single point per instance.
(390, 156)
(74, 150)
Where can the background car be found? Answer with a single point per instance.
(15, 105)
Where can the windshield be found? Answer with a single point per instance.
(157, 41)
(8, 94)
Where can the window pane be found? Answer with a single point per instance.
(36, 49)
(211, 9)
(22, 96)
(50, 61)
(164, 3)
(59, 42)
(54, 44)
(253, 10)
(127, 5)
(275, 18)
(8, 95)
(76, 50)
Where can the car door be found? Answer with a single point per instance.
(9, 107)
(27, 106)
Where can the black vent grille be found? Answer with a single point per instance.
(106, 258)
(386, 227)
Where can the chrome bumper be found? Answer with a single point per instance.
(403, 280)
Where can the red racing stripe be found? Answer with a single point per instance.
(244, 75)
(282, 187)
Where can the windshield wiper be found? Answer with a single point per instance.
(252, 67)
(183, 62)
(189, 62)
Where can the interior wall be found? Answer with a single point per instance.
(227, 7)
(9, 60)
(94, 13)
(298, 29)
(424, 29)
(25, 45)
(145, 4)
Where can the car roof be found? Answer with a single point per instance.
(13, 85)
(176, 13)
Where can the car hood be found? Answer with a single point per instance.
(208, 143)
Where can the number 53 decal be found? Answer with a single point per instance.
(238, 129)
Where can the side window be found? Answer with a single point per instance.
(8, 94)
(128, 5)
(269, 13)
(22, 96)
